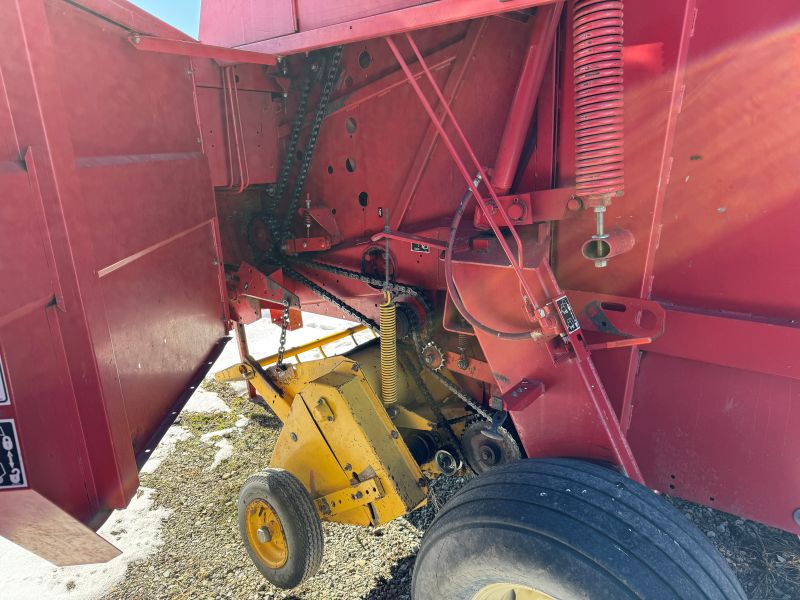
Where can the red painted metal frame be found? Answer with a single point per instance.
(431, 14)
(594, 387)
(221, 55)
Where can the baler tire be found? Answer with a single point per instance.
(566, 529)
(300, 526)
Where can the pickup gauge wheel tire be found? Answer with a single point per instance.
(566, 529)
(280, 527)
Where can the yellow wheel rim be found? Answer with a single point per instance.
(510, 591)
(265, 534)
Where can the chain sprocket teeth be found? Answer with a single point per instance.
(433, 356)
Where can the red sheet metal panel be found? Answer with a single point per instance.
(108, 239)
(152, 236)
(237, 22)
(711, 144)
(312, 14)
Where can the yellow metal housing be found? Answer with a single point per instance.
(340, 439)
(337, 435)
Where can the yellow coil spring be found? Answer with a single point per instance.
(389, 350)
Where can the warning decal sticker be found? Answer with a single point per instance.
(12, 472)
(567, 314)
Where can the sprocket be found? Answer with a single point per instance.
(433, 356)
(482, 452)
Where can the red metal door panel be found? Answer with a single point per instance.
(165, 313)
(719, 436)
(147, 191)
(108, 247)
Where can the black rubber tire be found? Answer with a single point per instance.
(301, 525)
(570, 529)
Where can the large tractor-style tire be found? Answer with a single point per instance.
(280, 527)
(566, 529)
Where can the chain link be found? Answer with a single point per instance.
(331, 76)
(284, 328)
(397, 289)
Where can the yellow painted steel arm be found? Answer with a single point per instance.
(316, 344)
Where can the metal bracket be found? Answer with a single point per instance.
(248, 288)
(349, 498)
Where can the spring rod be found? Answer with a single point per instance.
(599, 108)
(388, 320)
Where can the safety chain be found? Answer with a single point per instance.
(284, 328)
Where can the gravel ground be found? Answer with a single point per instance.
(203, 558)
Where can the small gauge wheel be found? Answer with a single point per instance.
(280, 527)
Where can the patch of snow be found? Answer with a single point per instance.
(240, 387)
(242, 422)
(136, 531)
(207, 437)
(224, 447)
(224, 452)
(165, 447)
(203, 401)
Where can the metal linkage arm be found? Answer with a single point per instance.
(516, 262)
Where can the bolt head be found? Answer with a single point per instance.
(263, 535)
(600, 264)
(293, 436)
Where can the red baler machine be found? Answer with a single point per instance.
(601, 216)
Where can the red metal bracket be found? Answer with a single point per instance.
(522, 395)
(533, 207)
(474, 368)
(618, 315)
(223, 56)
(424, 243)
(323, 217)
(249, 289)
